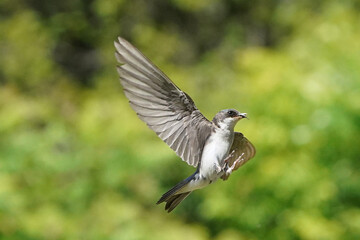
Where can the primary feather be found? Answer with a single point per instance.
(167, 110)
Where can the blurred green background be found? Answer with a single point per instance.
(77, 163)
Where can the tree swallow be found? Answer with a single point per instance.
(211, 146)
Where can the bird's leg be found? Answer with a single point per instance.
(218, 168)
(226, 160)
(225, 165)
(229, 169)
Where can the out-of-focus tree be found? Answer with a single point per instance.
(76, 162)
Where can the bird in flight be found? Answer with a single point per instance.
(211, 146)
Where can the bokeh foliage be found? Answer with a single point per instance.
(76, 162)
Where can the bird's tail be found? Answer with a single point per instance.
(172, 197)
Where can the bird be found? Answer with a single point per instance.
(212, 147)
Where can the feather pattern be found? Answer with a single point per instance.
(241, 147)
(167, 110)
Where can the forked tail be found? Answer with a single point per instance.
(171, 197)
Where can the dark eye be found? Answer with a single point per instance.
(231, 113)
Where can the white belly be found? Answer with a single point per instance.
(216, 150)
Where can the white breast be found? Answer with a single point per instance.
(215, 151)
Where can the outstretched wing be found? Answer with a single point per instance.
(167, 110)
(242, 148)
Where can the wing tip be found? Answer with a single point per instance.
(117, 45)
(121, 44)
(121, 39)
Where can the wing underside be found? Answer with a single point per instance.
(242, 148)
(167, 110)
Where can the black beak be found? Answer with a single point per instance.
(243, 115)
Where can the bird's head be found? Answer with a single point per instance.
(228, 118)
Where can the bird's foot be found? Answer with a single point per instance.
(238, 160)
(218, 168)
(230, 169)
(226, 160)
(222, 168)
